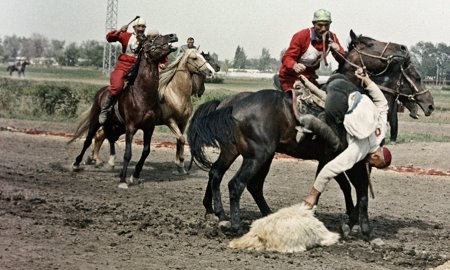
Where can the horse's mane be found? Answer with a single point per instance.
(167, 74)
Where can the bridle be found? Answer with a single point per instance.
(404, 76)
(153, 46)
(389, 60)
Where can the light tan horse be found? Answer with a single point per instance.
(175, 93)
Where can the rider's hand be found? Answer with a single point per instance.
(334, 46)
(123, 28)
(360, 74)
(299, 67)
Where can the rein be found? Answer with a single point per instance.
(397, 92)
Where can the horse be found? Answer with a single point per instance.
(19, 67)
(398, 94)
(256, 125)
(198, 80)
(177, 103)
(138, 106)
(407, 88)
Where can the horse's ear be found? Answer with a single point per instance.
(354, 39)
(352, 34)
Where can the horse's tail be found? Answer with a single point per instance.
(83, 125)
(209, 127)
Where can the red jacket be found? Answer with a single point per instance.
(297, 47)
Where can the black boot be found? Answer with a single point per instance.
(106, 108)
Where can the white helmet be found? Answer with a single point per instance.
(152, 32)
(139, 21)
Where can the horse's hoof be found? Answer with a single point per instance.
(393, 142)
(134, 181)
(179, 172)
(345, 230)
(89, 161)
(76, 168)
(211, 217)
(225, 225)
(123, 185)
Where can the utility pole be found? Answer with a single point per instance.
(110, 50)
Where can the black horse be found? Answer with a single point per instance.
(407, 91)
(255, 125)
(19, 67)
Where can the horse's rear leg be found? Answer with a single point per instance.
(91, 132)
(213, 193)
(360, 180)
(352, 212)
(99, 138)
(179, 156)
(255, 187)
(181, 142)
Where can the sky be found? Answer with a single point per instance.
(220, 26)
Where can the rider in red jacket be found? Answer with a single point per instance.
(306, 48)
(130, 43)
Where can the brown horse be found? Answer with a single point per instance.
(198, 88)
(256, 125)
(138, 106)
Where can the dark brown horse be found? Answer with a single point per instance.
(256, 125)
(411, 92)
(19, 67)
(138, 106)
(176, 113)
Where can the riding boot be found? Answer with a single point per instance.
(106, 108)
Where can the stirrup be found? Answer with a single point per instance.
(301, 133)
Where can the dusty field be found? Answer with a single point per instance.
(52, 218)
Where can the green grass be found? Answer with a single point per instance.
(85, 82)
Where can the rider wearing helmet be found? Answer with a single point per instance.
(306, 49)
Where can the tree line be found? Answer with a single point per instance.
(432, 60)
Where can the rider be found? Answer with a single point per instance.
(130, 43)
(306, 48)
(189, 45)
(365, 122)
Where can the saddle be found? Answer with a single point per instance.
(307, 98)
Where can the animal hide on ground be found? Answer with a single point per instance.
(291, 229)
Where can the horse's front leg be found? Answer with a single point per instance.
(129, 134)
(181, 142)
(145, 152)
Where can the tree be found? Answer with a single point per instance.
(91, 52)
(240, 58)
(264, 60)
(71, 55)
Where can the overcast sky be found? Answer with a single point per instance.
(221, 25)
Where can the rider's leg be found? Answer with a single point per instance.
(116, 85)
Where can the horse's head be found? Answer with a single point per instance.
(157, 47)
(375, 56)
(211, 61)
(412, 91)
(196, 63)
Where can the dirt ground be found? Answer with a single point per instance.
(53, 218)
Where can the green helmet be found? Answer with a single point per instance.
(322, 15)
